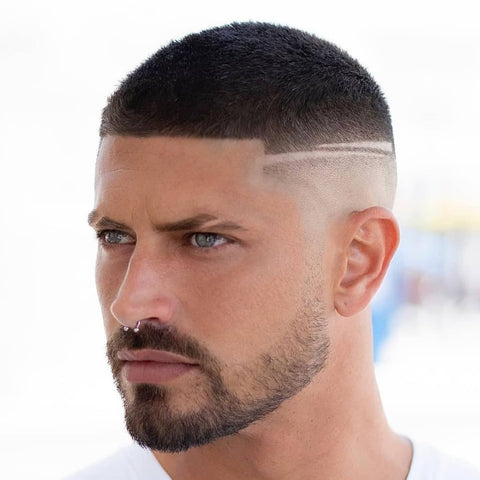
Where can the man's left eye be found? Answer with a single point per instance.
(207, 240)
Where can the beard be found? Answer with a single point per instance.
(226, 399)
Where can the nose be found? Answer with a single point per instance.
(144, 293)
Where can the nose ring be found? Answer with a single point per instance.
(136, 329)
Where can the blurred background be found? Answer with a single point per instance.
(60, 60)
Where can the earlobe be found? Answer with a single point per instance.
(372, 238)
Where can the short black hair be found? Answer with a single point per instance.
(251, 80)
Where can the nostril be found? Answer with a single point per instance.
(151, 321)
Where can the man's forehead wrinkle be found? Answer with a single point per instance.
(107, 171)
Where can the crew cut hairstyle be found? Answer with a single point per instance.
(251, 80)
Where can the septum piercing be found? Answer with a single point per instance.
(136, 329)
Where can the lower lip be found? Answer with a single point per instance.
(155, 372)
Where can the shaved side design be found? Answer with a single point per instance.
(341, 151)
(367, 166)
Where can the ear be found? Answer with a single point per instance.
(372, 238)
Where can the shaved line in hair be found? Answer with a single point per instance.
(332, 151)
(367, 165)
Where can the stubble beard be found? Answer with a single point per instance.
(260, 387)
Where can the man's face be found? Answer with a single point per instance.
(214, 258)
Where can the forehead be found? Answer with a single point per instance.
(181, 171)
(235, 158)
(169, 155)
(179, 174)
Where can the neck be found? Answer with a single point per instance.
(333, 429)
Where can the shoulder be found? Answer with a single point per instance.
(429, 464)
(128, 463)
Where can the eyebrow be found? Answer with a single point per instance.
(189, 223)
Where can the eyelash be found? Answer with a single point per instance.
(102, 234)
(187, 238)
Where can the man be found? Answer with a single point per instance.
(243, 195)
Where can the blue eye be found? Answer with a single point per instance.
(207, 240)
(115, 237)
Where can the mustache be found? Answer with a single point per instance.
(163, 337)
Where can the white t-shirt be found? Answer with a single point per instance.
(136, 463)
(429, 464)
(128, 463)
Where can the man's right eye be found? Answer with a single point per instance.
(114, 237)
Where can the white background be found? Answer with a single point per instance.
(61, 59)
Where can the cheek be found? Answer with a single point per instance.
(248, 309)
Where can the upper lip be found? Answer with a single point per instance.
(150, 355)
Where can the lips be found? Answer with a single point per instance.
(150, 355)
(154, 366)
